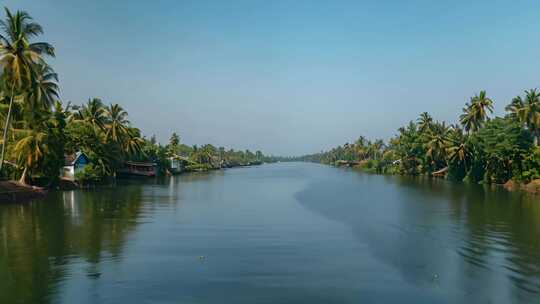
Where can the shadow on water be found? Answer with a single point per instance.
(393, 238)
(467, 241)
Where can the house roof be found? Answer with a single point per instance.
(141, 164)
(179, 157)
(71, 159)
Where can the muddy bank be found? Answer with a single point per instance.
(532, 187)
(14, 192)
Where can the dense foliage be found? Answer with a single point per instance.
(38, 130)
(478, 149)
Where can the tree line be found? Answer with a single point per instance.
(39, 130)
(480, 148)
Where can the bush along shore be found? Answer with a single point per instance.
(46, 143)
(478, 149)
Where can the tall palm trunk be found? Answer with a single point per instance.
(22, 180)
(6, 127)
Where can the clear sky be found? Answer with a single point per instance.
(289, 77)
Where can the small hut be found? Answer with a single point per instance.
(178, 164)
(342, 163)
(73, 163)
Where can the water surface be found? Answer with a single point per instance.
(281, 233)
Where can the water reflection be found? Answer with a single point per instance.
(40, 240)
(275, 234)
(476, 243)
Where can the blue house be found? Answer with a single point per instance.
(73, 163)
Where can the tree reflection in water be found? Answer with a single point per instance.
(40, 239)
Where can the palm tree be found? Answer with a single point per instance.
(116, 122)
(92, 113)
(44, 89)
(132, 142)
(527, 112)
(483, 106)
(32, 138)
(467, 118)
(436, 146)
(203, 155)
(173, 148)
(516, 108)
(378, 146)
(30, 149)
(424, 122)
(458, 152)
(174, 140)
(18, 58)
(475, 113)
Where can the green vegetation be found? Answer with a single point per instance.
(38, 130)
(479, 149)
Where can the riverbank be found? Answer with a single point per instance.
(532, 187)
(251, 227)
(15, 192)
(209, 167)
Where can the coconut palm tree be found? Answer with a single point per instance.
(475, 113)
(378, 147)
(424, 122)
(31, 136)
(527, 112)
(436, 146)
(132, 142)
(92, 113)
(483, 105)
(516, 108)
(467, 118)
(117, 124)
(174, 140)
(19, 58)
(30, 149)
(458, 152)
(44, 89)
(203, 155)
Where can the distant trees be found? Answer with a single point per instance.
(480, 150)
(38, 130)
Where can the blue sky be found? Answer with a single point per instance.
(289, 77)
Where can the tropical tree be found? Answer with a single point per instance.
(437, 145)
(174, 140)
(19, 58)
(92, 113)
(459, 153)
(30, 149)
(424, 122)
(132, 142)
(174, 144)
(527, 112)
(476, 111)
(43, 91)
(115, 123)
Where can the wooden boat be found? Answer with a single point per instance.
(138, 169)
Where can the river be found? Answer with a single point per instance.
(277, 233)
